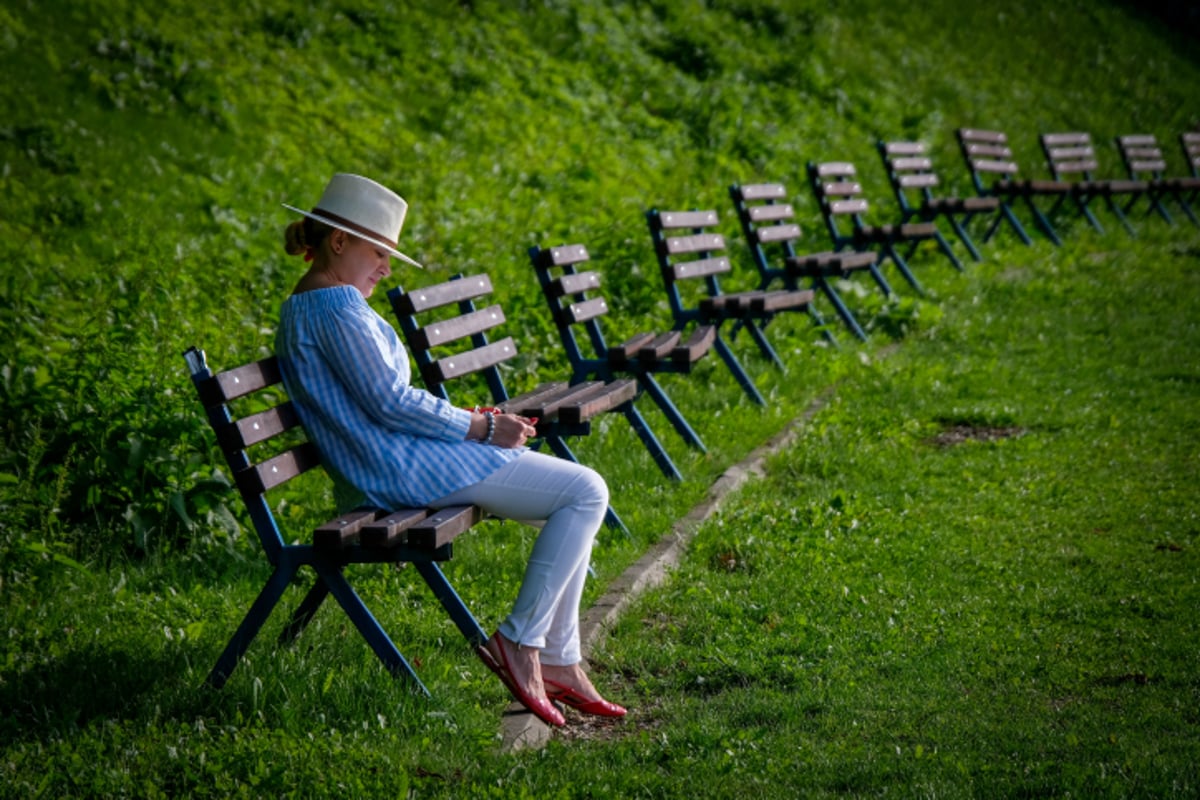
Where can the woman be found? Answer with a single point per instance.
(396, 445)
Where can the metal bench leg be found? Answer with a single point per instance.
(1007, 215)
(902, 265)
(435, 579)
(819, 321)
(880, 281)
(764, 345)
(739, 373)
(945, 248)
(668, 408)
(367, 625)
(304, 612)
(251, 623)
(1115, 207)
(563, 451)
(960, 230)
(638, 423)
(840, 307)
(1043, 221)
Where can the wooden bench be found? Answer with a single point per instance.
(1071, 159)
(265, 449)
(913, 179)
(1189, 191)
(1144, 161)
(691, 256)
(770, 224)
(990, 161)
(448, 337)
(839, 196)
(574, 299)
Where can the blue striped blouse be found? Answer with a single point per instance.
(348, 374)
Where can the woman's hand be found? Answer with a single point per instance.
(510, 430)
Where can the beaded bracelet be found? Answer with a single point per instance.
(491, 429)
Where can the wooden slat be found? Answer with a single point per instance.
(999, 167)
(1074, 167)
(343, 530)
(460, 327)
(925, 181)
(443, 294)
(697, 243)
(530, 403)
(259, 478)
(771, 302)
(905, 148)
(848, 207)
(659, 346)
(588, 309)
(763, 191)
(840, 168)
(577, 283)
(976, 135)
(625, 350)
(1065, 139)
(1148, 166)
(911, 163)
(1071, 153)
(255, 428)
(240, 381)
(777, 233)
(548, 405)
(770, 213)
(699, 269)
(989, 151)
(391, 531)
(697, 345)
(1138, 140)
(474, 360)
(687, 219)
(841, 189)
(601, 399)
(443, 527)
(567, 254)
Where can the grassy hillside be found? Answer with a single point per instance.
(145, 149)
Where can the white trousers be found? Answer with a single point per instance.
(571, 499)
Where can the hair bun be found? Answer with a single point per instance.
(294, 240)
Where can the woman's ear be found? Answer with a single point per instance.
(337, 241)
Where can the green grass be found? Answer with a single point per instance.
(883, 614)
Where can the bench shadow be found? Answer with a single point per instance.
(82, 687)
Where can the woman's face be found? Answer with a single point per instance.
(359, 263)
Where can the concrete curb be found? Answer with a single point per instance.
(520, 729)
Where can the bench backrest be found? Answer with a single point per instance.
(767, 221)
(1141, 155)
(909, 169)
(264, 448)
(687, 251)
(839, 195)
(448, 334)
(987, 155)
(1190, 141)
(572, 296)
(1069, 156)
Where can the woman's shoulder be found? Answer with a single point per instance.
(332, 298)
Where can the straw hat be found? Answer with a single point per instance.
(364, 208)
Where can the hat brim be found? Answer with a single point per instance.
(360, 235)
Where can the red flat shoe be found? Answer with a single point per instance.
(569, 697)
(542, 709)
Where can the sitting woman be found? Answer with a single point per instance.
(396, 445)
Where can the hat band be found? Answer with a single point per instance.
(354, 226)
